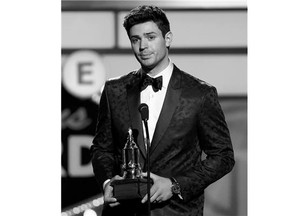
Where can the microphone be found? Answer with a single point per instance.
(144, 111)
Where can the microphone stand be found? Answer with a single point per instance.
(147, 143)
(144, 111)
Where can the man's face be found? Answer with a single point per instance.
(149, 46)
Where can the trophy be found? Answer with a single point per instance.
(133, 186)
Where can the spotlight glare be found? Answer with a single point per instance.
(76, 210)
(89, 212)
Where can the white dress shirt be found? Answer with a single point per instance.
(155, 100)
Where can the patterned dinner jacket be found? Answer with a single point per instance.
(191, 123)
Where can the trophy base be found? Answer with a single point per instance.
(126, 189)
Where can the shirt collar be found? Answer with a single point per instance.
(166, 74)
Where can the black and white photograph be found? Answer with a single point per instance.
(151, 108)
(195, 123)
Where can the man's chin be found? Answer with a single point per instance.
(147, 64)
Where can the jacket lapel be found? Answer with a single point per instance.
(170, 103)
(133, 97)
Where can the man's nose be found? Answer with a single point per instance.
(143, 44)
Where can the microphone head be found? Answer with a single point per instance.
(144, 111)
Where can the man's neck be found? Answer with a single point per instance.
(157, 69)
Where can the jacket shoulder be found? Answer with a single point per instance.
(191, 81)
(122, 80)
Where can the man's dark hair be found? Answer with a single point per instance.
(147, 13)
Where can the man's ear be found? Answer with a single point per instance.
(168, 38)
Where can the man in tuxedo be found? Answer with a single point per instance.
(185, 121)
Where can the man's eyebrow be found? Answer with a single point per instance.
(149, 33)
(134, 36)
(145, 34)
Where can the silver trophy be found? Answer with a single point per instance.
(131, 166)
(133, 185)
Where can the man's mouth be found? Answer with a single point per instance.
(145, 56)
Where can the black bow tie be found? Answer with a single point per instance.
(155, 82)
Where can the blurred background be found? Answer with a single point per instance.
(210, 42)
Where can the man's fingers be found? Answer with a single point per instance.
(154, 197)
(117, 177)
(152, 175)
(144, 199)
(114, 204)
(110, 199)
(152, 193)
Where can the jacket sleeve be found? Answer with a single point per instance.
(215, 141)
(102, 148)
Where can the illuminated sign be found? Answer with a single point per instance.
(84, 74)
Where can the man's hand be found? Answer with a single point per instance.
(160, 190)
(108, 193)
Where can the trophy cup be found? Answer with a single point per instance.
(133, 186)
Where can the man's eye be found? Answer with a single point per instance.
(134, 40)
(151, 37)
